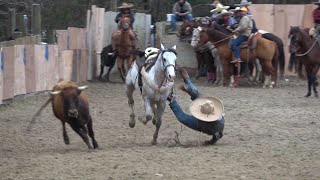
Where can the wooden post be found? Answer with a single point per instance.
(114, 5)
(25, 25)
(12, 22)
(36, 19)
(20, 24)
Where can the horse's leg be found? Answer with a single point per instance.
(120, 63)
(199, 65)
(129, 91)
(130, 61)
(101, 71)
(161, 105)
(309, 75)
(226, 73)
(258, 70)
(148, 110)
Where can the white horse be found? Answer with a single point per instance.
(214, 53)
(157, 83)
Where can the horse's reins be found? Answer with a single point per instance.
(300, 55)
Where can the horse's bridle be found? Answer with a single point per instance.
(167, 50)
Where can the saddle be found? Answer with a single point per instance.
(251, 43)
(147, 64)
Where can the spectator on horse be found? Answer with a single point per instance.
(207, 113)
(125, 10)
(223, 19)
(243, 30)
(182, 10)
(316, 21)
(218, 7)
(246, 4)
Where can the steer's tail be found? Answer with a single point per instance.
(37, 114)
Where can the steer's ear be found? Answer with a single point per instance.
(55, 93)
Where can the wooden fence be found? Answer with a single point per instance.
(33, 67)
(27, 66)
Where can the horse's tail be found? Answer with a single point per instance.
(275, 58)
(292, 61)
(151, 83)
(37, 114)
(281, 59)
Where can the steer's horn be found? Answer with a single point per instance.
(55, 92)
(82, 87)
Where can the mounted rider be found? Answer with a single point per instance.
(243, 31)
(316, 21)
(125, 10)
(218, 7)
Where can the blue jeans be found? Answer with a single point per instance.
(190, 121)
(176, 17)
(235, 45)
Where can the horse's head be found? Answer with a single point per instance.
(186, 28)
(295, 38)
(203, 36)
(125, 23)
(168, 57)
(195, 36)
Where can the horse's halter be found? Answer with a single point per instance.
(294, 37)
(163, 60)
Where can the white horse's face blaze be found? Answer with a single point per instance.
(169, 62)
(195, 36)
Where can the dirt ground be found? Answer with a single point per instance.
(269, 134)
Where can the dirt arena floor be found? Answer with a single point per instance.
(269, 134)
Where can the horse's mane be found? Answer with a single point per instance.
(217, 35)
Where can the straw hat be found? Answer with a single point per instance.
(207, 109)
(125, 6)
(224, 13)
(215, 3)
(244, 3)
(317, 3)
(219, 8)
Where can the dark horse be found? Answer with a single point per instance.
(123, 43)
(300, 41)
(108, 59)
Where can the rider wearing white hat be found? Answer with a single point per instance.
(207, 113)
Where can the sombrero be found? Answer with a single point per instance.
(125, 6)
(317, 3)
(207, 109)
(215, 3)
(219, 8)
(244, 3)
(224, 13)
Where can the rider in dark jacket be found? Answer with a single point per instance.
(125, 10)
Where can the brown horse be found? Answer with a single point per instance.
(307, 48)
(266, 51)
(123, 42)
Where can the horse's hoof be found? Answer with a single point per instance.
(154, 121)
(270, 87)
(264, 86)
(154, 142)
(66, 141)
(142, 120)
(308, 95)
(132, 124)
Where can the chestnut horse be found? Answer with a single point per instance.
(266, 51)
(123, 42)
(307, 48)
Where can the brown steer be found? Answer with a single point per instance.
(70, 105)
